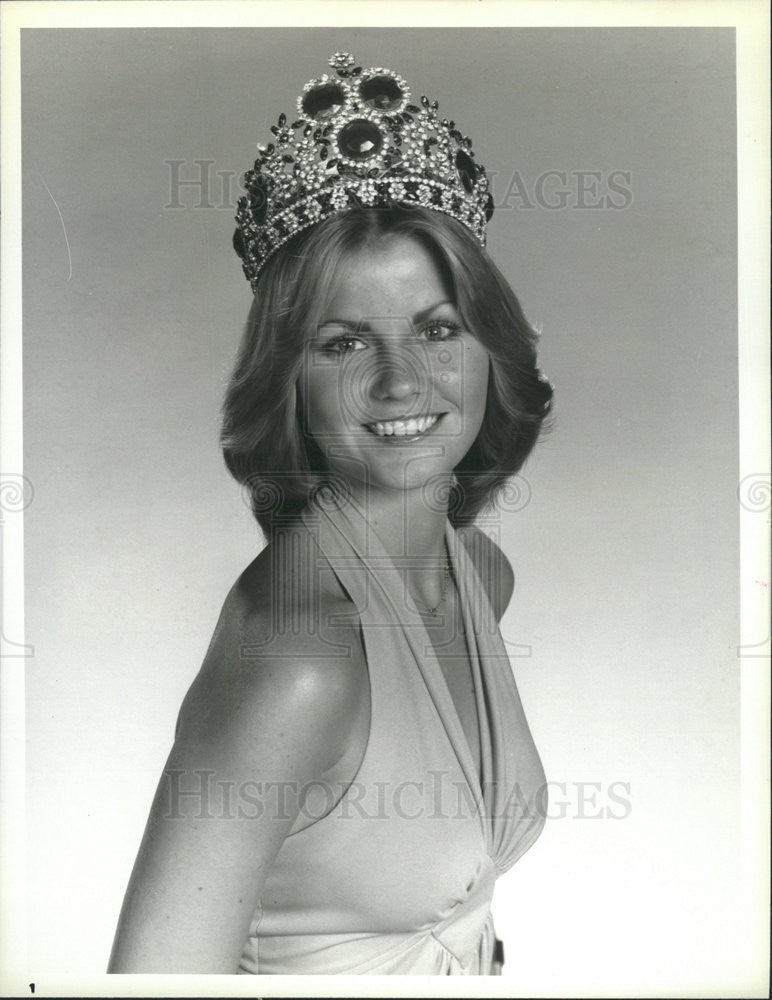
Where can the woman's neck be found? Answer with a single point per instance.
(412, 531)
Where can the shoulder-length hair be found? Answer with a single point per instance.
(265, 444)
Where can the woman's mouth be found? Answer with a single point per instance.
(406, 428)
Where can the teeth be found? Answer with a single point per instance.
(404, 428)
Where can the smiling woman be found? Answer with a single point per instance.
(356, 699)
(400, 358)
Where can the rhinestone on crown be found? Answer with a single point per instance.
(357, 141)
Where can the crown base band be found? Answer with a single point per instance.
(308, 211)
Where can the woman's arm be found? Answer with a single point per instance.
(217, 822)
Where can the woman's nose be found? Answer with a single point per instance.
(399, 375)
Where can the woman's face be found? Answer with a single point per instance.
(394, 388)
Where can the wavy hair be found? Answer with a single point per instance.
(264, 442)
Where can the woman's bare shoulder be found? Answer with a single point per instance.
(493, 567)
(269, 709)
(277, 665)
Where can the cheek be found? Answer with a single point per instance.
(462, 366)
(334, 397)
(339, 393)
(318, 396)
(476, 371)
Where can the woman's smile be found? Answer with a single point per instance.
(404, 429)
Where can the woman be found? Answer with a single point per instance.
(352, 767)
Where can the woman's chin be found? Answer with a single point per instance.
(422, 476)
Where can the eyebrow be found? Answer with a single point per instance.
(364, 326)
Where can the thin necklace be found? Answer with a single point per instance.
(445, 581)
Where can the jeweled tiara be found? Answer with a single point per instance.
(357, 141)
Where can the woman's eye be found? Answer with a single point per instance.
(439, 329)
(344, 345)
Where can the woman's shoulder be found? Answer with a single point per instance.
(276, 663)
(287, 603)
(493, 567)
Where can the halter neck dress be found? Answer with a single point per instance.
(398, 877)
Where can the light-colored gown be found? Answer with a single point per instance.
(399, 876)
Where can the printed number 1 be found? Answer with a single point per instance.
(32, 987)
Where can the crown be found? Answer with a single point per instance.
(357, 141)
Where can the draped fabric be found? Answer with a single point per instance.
(398, 877)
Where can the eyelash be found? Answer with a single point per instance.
(335, 346)
(450, 325)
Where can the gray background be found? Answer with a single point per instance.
(624, 624)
